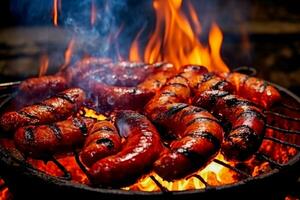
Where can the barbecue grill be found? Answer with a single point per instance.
(86, 29)
(26, 181)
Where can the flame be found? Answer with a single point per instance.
(175, 41)
(93, 13)
(68, 53)
(44, 64)
(214, 174)
(56, 4)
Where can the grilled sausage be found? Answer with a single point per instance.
(253, 89)
(103, 140)
(45, 140)
(73, 73)
(136, 157)
(199, 136)
(247, 122)
(198, 133)
(56, 108)
(120, 97)
(204, 80)
(40, 87)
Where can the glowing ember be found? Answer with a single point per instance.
(175, 41)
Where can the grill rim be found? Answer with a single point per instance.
(22, 168)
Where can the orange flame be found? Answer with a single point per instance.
(93, 13)
(44, 64)
(56, 4)
(175, 41)
(68, 53)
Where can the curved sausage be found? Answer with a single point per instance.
(40, 87)
(198, 134)
(45, 140)
(56, 108)
(199, 137)
(103, 140)
(253, 89)
(112, 96)
(136, 157)
(247, 122)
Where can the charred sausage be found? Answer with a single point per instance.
(56, 108)
(103, 140)
(45, 140)
(136, 157)
(126, 97)
(199, 136)
(253, 89)
(40, 87)
(247, 122)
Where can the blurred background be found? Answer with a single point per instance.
(258, 33)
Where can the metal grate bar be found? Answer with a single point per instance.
(161, 187)
(283, 130)
(282, 142)
(9, 84)
(232, 168)
(271, 161)
(80, 164)
(247, 70)
(289, 107)
(67, 174)
(282, 116)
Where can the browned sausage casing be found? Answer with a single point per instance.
(103, 140)
(45, 140)
(247, 122)
(136, 157)
(41, 87)
(56, 108)
(199, 136)
(253, 89)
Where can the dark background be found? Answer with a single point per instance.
(259, 33)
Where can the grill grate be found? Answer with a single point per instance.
(7, 90)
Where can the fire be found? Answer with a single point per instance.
(68, 53)
(44, 64)
(175, 41)
(93, 13)
(214, 174)
(56, 5)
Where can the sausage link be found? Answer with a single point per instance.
(45, 140)
(40, 87)
(103, 140)
(247, 122)
(199, 137)
(254, 89)
(136, 157)
(56, 108)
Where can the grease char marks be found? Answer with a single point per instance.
(200, 79)
(253, 89)
(45, 140)
(247, 120)
(136, 156)
(50, 110)
(103, 140)
(199, 136)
